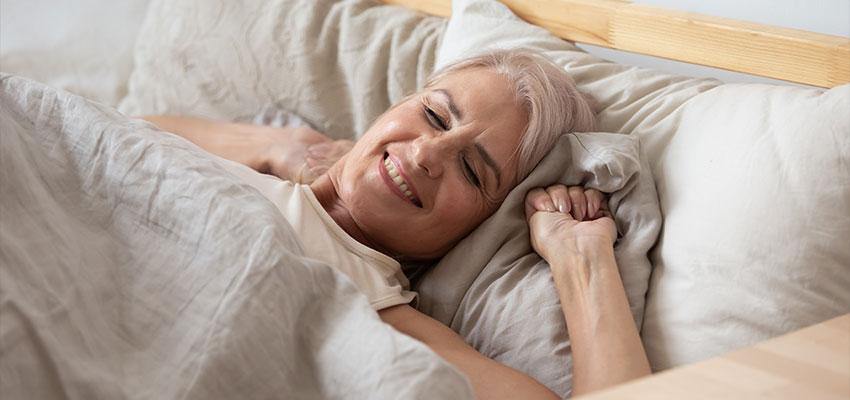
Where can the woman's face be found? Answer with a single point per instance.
(433, 167)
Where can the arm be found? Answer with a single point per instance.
(577, 241)
(489, 379)
(297, 154)
(607, 349)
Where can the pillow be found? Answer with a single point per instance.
(755, 190)
(336, 64)
(734, 129)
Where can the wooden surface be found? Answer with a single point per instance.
(812, 363)
(780, 53)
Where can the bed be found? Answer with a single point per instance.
(734, 198)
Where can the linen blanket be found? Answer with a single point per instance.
(133, 266)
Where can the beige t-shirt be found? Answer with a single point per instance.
(377, 275)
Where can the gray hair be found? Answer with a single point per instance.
(545, 90)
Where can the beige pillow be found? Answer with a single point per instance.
(336, 64)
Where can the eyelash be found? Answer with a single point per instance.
(435, 119)
(470, 173)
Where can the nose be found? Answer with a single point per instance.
(431, 152)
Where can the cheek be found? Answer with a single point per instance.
(394, 125)
(461, 209)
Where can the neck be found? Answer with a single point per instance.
(325, 190)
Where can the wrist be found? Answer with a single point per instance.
(579, 249)
(576, 271)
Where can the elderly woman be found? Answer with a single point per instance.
(425, 174)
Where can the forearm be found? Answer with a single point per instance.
(195, 130)
(210, 135)
(606, 347)
(300, 154)
(242, 143)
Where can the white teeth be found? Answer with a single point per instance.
(396, 177)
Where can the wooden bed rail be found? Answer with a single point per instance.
(781, 53)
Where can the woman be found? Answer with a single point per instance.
(430, 170)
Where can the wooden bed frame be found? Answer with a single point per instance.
(781, 53)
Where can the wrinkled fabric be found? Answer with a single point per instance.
(337, 64)
(133, 266)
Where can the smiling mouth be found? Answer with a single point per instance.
(402, 185)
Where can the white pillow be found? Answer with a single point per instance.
(755, 190)
(766, 256)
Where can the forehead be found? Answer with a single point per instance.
(483, 93)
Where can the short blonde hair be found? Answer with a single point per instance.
(548, 94)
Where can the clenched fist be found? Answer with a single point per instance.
(566, 221)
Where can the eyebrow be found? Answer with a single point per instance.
(452, 107)
(489, 161)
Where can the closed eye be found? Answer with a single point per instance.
(470, 173)
(435, 119)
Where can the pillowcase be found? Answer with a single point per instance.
(336, 64)
(755, 190)
(780, 151)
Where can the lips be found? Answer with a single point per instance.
(397, 181)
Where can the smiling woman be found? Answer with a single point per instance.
(425, 174)
(450, 163)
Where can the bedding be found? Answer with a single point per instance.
(752, 181)
(341, 64)
(337, 64)
(135, 266)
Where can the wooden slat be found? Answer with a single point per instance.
(781, 53)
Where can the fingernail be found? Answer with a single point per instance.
(562, 206)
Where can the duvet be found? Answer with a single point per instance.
(133, 266)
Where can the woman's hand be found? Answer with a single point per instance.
(566, 221)
(305, 155)
(298, 154)
(572, 229)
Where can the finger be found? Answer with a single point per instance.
(604, 210)
(321, 149)
(537, 200)
(579, 203)
(560, 198)
(595, 199)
